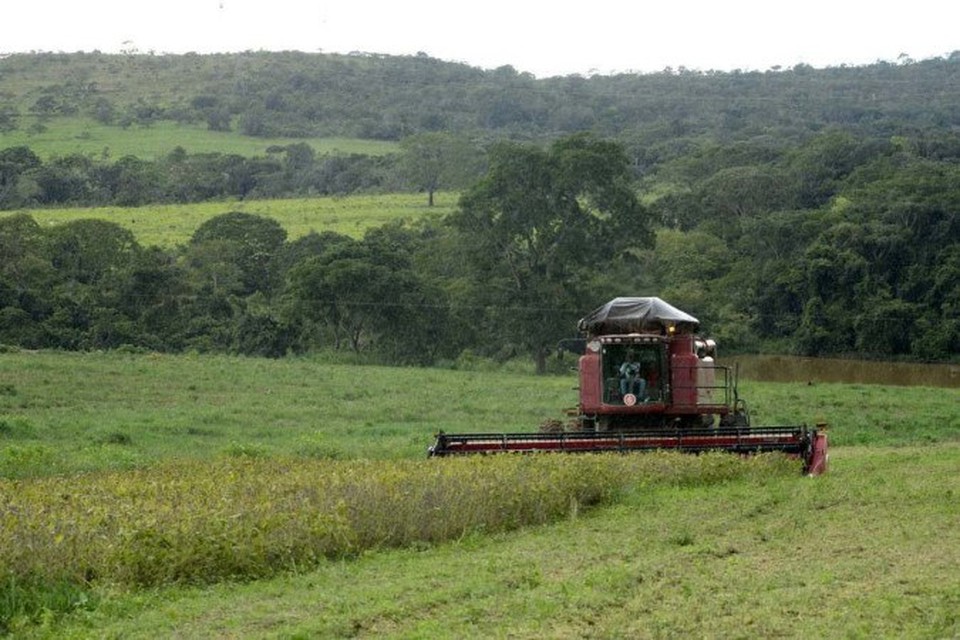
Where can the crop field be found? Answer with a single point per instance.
(174, 224)
(66, 136)
(146, 495)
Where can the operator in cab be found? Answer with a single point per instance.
(631, 379)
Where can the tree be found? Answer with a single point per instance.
(246, 244)
(14, 163)
(66, 180)
(23, 247)
(8, 118)
(26, 277)
(431, 161)
(821, 164)
(87, 251)
(153, 291)
(370, 300)
(886, 327)
(92, 260)
(732, 194)
(540, 223)
(309, 245)
(132, 181)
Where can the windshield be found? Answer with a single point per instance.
(632, 373)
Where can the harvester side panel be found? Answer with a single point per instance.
(590, 383)
(683, 374)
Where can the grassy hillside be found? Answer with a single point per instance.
(133, 77)
(186, 455)
(170, 225)
(66, 136)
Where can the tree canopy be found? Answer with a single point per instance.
(812, 211)
(537, 227)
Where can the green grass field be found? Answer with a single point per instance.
(65, 136)
(158, 457)
(171, 225)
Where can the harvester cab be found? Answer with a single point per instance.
(648, 346)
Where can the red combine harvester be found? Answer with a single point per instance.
(647, 381)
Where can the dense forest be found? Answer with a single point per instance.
(810, 211)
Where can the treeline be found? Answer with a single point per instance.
(291, 170)
(238, 286)
(424, 162)
(844, 246)
(480, 282)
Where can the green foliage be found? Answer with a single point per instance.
(249, 243)
(32, 600)
(292, 94)
(435, 161)
(792, 226)
(79, 180)
(367, 295)
(804, 210)
(86, 251)
(88, 284)
(536, 222)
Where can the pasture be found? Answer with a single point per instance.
(74, 135)
(173, 224)
(156, 457)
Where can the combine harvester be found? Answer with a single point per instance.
(647, 381)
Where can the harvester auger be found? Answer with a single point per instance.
(647, 381)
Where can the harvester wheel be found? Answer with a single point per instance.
(735, 419)
(551, 426)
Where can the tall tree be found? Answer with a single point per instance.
(368, 297)
(433, 161)
(92, 260)
(539, 225)
(26, 277)
(247, 243)
(14, 162)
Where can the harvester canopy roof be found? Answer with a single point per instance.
(636, 315)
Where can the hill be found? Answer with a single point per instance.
(805, 210)
(302, 96)
(389, 97)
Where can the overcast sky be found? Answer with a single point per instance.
(543, 38)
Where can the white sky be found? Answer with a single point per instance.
(544, 38)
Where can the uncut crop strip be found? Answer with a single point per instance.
(244, 518)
